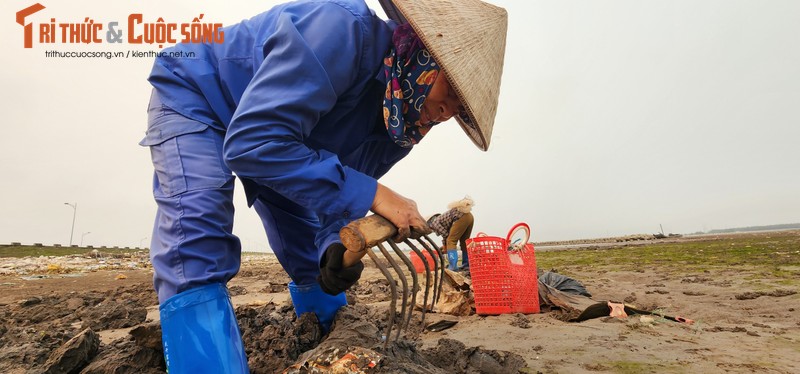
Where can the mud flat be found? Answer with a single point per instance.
(741, 291)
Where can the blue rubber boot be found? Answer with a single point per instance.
(311, 298)
(199, 332)
(452, 259)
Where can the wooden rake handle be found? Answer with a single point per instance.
(360, 235)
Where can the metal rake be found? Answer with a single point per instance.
(360, 236)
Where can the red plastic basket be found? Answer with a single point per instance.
(503, 280)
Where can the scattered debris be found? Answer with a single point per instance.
(453, 356)
(440, 326)
(456, 297)
(694, 293)
(91, 261)
(356, 360)
(521, 321)
(87, 262)
(725, 329)
(755, 295)
(696, 280)
(563, 283)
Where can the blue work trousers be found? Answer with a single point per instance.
(192, 242)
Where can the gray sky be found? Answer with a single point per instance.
(614, 117)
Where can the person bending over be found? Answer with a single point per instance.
(308, 104)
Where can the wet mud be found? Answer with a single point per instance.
(59, 334)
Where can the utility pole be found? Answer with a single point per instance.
(84, 234)
(74, 213)
(662, 229)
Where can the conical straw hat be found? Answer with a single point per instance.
(468, 39)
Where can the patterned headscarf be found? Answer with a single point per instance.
(410, 72)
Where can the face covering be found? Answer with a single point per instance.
(410, 72)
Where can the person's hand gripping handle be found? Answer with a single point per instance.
(341, 265)
(396, 217)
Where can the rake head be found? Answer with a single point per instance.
(361, 236)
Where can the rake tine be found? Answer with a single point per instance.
(435, 259)
(393, 301)
(403, 280)
(427, 277)
(441, 276)
(414, 283)
(436, 265)
(441, 268)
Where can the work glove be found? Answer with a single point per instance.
(334, 278)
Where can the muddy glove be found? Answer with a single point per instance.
(334, 278)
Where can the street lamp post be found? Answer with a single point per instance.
(74, 213)
(82, 235)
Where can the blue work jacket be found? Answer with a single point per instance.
(298, 91)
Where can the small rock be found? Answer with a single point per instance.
(74, 354)
(148, 335)
(31, 301)
(237, 290)
(74, 303)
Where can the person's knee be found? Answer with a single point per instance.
(451, 242)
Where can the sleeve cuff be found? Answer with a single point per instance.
(357, 194)
(354, 202)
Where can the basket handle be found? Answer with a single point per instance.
(478, 235)
(516, 228)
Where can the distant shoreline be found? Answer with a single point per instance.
(643, 238)
(15, 249)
